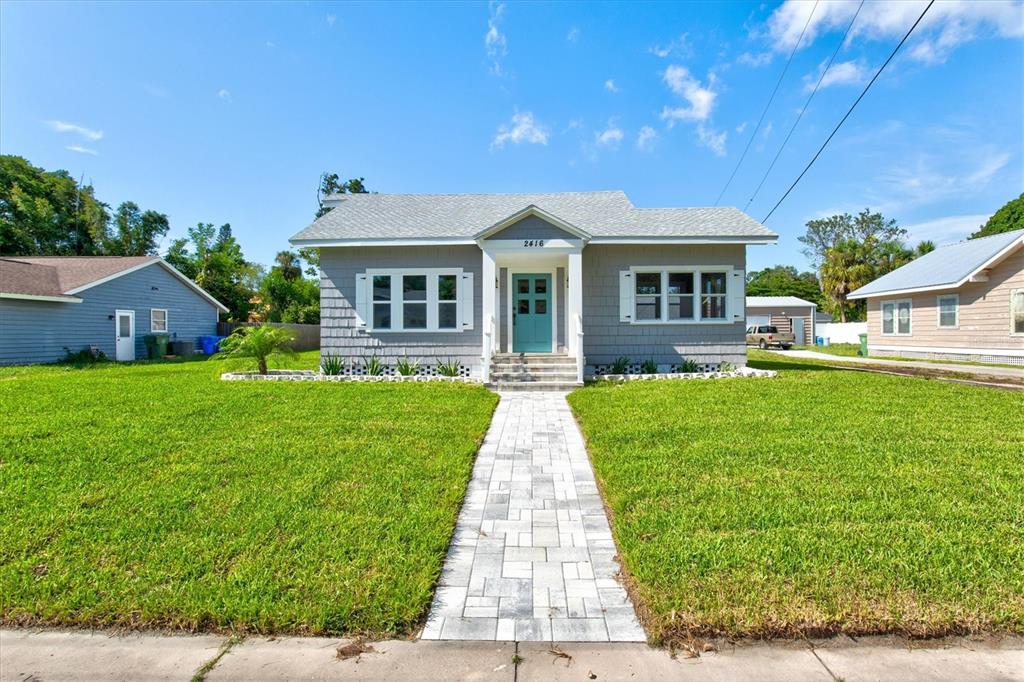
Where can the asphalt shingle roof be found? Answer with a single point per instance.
(462, 216)
(945, 266)
(76, 271)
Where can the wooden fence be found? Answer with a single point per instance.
(307, 336)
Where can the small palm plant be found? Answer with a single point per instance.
(449, 368)
(648, 367)
(374, 367)
(407, 367)
(620, 365)
(332, 365)
(688, 366)
(260, 343)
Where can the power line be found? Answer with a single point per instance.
(768, 105)
(850, 111)
(806, 104)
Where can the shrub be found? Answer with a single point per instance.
(688, 366)
(727, 367)
(260, 343)
(406, 367)
(648, 367)
(332, 365)
(84, 357)
(620, 366)
(374, 367)
(449, 368)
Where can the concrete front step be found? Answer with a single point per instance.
(533, 378)
(533, 359)
(534, 385)
(535, 369)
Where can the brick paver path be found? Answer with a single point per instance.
(532, 558)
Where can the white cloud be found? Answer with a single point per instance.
(270, 44)
(755, 60)
(224, 94)
(331, 19)
(741, 127)
(700, 98)
(946, 230)
(610, 137)
(573, 35)
(610, 86)
(712, 139)
(927, 179)
(574, 123)
(948, 24)
(679, 47)
(645, 139)
(840, 73)
(155, 90)
(494, 39)
(81, 150)
(65, 127)
(523, 128)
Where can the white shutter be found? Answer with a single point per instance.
(626, 290)
(466, 297)
(362, 302)
(737, 295)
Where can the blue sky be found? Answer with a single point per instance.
(229, 112)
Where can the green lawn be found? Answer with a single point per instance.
(157, 495)
(819, 501)
(848, 350)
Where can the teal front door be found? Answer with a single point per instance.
(531, 313)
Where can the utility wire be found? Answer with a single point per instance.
(850, 111)
(806, 104)
(768, 105)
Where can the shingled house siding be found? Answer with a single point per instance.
(338, 333)
(532, 227)
(605, 338)
(37, 331)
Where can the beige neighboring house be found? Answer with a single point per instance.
(964, 301)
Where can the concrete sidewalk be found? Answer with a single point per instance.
(975, 370)
(80, 655)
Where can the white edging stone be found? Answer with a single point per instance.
(312, 375)
(733, 374)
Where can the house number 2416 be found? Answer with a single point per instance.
(531, 243)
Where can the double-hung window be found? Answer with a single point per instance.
(414, 299)
(674, 295)
(948, 307)
(896, 318)
(1017, 311)
(157, 320)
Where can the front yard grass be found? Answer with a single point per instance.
(820, 501)
(157, 495)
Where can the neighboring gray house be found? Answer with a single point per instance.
(570, 280)
(52, 305)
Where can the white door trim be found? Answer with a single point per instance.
(129, 353)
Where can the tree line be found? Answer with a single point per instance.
(49, 213)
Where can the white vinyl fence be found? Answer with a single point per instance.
(841, 332)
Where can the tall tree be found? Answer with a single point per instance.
(136, 232)
(287, 295)
(825, 233)
(1007, 219)
(330, 183)
(213, 259)
(47, 213)
(847, 266)
(784, 280)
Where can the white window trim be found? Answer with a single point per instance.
(167, 320)
(1014, 292)
(432, 301)
(697, 271)
(896, 317)
(956, 311)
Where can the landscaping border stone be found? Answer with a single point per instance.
(739, 372)
(313, 375)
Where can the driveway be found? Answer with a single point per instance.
(976, 370)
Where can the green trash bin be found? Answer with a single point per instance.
(863, 352)
(156, 345)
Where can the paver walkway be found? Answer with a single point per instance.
(532, 557)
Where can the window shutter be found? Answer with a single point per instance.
(625, 296)
(362, 304)
(466, 296)
(737, 296)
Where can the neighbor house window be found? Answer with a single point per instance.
(896, 318)
(679, 295)
(1017, 311)
(415, 300)
(949, 310)
(157, 320)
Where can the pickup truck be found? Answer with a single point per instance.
(765, 335)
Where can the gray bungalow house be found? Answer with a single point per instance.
(52, 305)
(515, 285)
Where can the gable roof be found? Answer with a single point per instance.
(59, 278)
(947, 267)
(460, 218)
(777, 302)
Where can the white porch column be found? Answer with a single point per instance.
(574, 307)
(488, 295)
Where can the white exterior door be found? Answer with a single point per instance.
(124, 330)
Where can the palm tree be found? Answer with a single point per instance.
(260, 343)
(847, 266)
